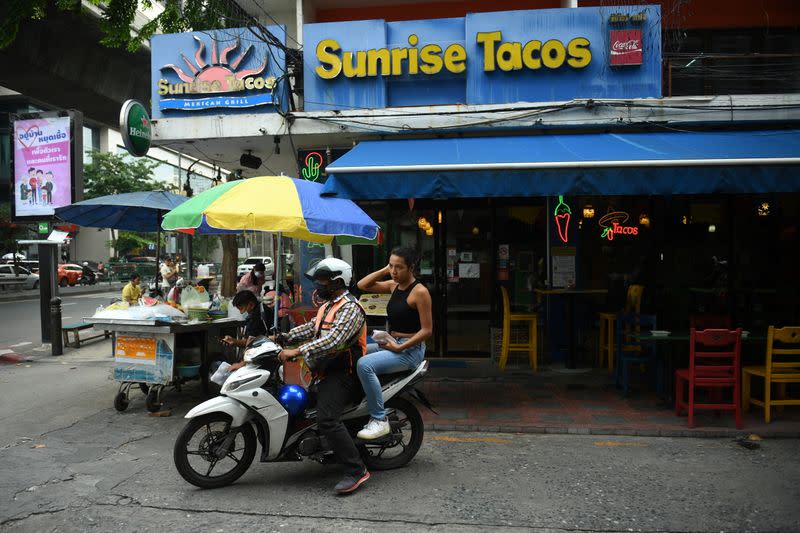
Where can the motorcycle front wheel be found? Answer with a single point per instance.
(197, 451)
(398, 448)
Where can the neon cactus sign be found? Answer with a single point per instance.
(562, 214)
(311, 170)
(613, 224)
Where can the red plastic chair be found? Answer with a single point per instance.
(715, 357)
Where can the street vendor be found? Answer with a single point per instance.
(253, 281)
(253, 313)
(132, 291)
(174, 294)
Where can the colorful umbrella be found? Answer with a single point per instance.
(277, 204)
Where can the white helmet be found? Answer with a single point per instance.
(332, 268)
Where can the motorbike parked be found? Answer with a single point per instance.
(219, 443)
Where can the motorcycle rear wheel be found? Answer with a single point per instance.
(379, 456)
(212, 430)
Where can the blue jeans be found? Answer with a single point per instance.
(379, 361)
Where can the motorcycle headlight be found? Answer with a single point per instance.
(232, 386)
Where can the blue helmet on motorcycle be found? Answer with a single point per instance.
(293, 398)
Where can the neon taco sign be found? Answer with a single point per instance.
(613, 223)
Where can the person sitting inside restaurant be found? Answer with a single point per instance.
(132, 291)
(253, 281)
(253, 314)
(174, 294)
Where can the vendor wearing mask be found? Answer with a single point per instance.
(254, 316)
(254, 280)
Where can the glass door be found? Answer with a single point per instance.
(468, 286)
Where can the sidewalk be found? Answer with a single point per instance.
(476, 396)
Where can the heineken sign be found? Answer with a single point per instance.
(134, 124)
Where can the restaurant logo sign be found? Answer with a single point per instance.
(613, 224)
(626, 47)
(218, 81)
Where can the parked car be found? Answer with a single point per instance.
(33, 278)
(247, 266)
(22, 276)
(31, 265)
(69, 274)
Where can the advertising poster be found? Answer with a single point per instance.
(42, 166)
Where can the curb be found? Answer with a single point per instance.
(628, 432)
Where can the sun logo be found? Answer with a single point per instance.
(218, 76)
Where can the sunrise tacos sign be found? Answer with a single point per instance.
(225, 69)
(483, 58)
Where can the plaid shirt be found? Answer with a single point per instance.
(347, 324)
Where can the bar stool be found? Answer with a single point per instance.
(608, 321)
(531, 346)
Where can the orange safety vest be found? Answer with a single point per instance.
(351, 348)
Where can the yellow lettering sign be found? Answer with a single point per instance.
(430, 59)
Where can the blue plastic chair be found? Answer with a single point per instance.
(632, 351)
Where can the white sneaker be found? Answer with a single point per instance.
(374, 429)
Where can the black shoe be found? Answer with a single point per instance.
(350, 483)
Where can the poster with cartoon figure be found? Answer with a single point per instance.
(42, 163)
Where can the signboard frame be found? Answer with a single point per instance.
(75, 163)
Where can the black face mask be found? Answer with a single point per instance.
(324, 290)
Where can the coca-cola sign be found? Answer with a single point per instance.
(626, 47)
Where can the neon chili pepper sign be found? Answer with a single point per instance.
(562, 214)
(613, 223)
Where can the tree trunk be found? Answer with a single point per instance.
(230, 258)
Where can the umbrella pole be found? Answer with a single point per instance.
(158, 251)
(276, 276)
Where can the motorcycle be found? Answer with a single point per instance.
(219, 443)
(86, 279)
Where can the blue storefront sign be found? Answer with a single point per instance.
(485, 58)
(220, 71)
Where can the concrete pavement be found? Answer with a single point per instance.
(70, 462)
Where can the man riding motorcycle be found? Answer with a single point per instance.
(336, 339)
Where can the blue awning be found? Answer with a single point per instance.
(583, 164)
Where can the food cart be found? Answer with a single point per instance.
(155, 354)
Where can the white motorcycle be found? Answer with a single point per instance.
(218, 445)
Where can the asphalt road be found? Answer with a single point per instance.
(20, 328)
(70, 462)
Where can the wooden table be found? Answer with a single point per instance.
(569, 295)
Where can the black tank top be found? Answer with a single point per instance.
(402, 318)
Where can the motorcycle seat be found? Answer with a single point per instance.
(388, 378)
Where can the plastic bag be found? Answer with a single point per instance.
(141, 312)
(381, 337)
(222, 373)
(191, 297)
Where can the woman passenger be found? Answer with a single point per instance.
(410, 324)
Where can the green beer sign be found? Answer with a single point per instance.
(134, 124)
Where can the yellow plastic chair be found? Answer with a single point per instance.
(608, 323)
(782, 367)
(531, 346)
